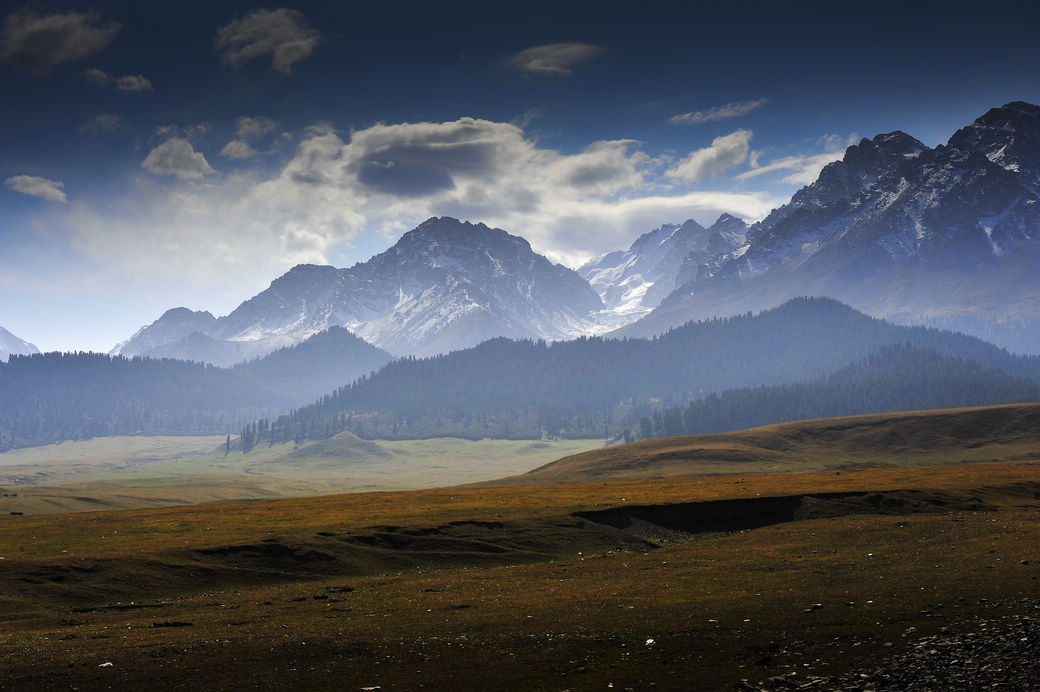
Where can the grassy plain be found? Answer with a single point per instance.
(131, 472)
(513, 587)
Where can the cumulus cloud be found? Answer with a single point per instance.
(38, 42)
(553, 59)
(35, 186)
(177, 157)
(128, 83)
(250, 129)
(725, 112)
(385, 179)
(283, 34)
(711, 162)
(800, 169)
(237, 149)
(103, 122)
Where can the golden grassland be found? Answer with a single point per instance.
(509, 588)
(912, 438)
(505, 588)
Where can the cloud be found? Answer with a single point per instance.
(249, 129)
(553, 59)
(711, 162)
(189, 132)
(237, 149)
(382, 180)
(128, 83)
(284, 34)
(177, 157)
(103, 122)
(730, 110)
(133, 84)
(803, 168)
(43, 188)
(39, 42)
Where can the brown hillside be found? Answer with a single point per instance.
(948, 436)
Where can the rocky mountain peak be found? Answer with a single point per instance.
(1009, 136)
(11, 345)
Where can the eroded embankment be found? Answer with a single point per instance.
(670, 523)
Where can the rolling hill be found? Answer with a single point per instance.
(999, 433)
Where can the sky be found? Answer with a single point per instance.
(156, 155)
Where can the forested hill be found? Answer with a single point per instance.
(60, 396)
(303, 372)
(57, 396)
(598, 387)
(897, 378)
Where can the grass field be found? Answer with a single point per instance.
(913, 438)
(572, 586)
(131, 472)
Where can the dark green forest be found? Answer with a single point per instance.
(70, 396)
(897, 378)
(593, 387)
(52, 397)
(804, 359)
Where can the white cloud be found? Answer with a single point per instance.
(237, 149)
(553, 59)
(725, 112)
(385, 179)
(284, 34)
(97, 77)
(39, 42)
(133, 84)
(35, 186)
(128, 83)
(103, 122)
(250, 129)
(189, 132)
(711, 162)
(802, 169)
(177, 157)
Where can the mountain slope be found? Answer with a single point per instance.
(593, 387)
(444, 285)
(325, 361)
(634, 281)
(11, 345)
(948, 237)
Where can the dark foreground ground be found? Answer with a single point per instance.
(913, 578)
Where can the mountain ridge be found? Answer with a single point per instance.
(948, 237)
(444, 285)
(11, 345)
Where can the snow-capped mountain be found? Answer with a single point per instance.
(11, 345)
(948, 236)
(445, 285)
(632, 282)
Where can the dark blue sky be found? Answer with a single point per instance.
(163, 155)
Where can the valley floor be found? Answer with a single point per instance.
(133, 472)
(525, 587)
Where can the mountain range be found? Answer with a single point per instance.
(11, 345)
(946, 236)
(445, 285)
